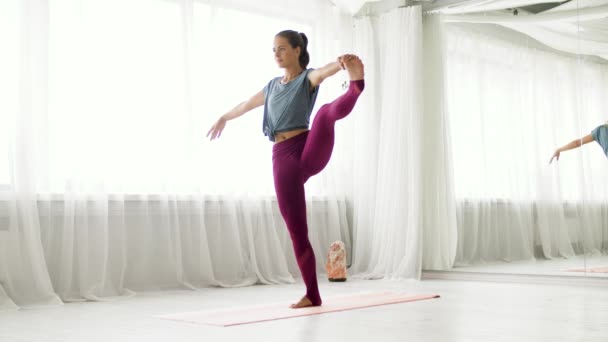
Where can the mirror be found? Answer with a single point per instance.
(523, 83)
(594, 223)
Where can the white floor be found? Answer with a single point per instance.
(556, 267)
(466, 311)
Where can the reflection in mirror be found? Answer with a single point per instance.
(592, 85)
(527, 96)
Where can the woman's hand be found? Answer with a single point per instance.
(216, 130)
(342, 59)
(339, 60)
(555, 156)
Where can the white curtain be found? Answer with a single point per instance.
(365, 160)
(23, 272)
(511, 104)
(439, 205)
(388, 220)
(108, 183)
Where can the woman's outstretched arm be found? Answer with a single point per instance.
(572, 145)
(242, 108)
(317, 76)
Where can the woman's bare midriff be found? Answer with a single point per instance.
(289, 134)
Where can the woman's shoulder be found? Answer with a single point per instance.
(309, 70)
(600, 131)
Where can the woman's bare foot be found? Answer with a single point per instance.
(303, 303)
(354, 66)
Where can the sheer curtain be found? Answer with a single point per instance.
(23, 272)
(387, 231)
(439, 206)
(512, 102)
(110, 185)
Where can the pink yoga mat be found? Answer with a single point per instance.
(590, 270)
(269, 312)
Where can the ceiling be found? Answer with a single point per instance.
(467, 6)
(553, 22)
(351, 6)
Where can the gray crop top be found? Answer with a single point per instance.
(288, 106)
(600, 134)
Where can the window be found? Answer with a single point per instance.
(134, 87)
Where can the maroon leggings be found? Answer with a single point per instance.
(294, 161)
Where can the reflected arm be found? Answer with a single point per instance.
(572, 145)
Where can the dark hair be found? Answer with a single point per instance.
(297, 39)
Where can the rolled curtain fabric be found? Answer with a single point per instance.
(576, 27)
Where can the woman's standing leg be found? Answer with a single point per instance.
(293, 166)
(289, 187)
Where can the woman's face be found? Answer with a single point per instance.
(284, 54)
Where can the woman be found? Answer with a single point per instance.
(299, 153)
(599, 134)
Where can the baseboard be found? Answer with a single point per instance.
(579, 280)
